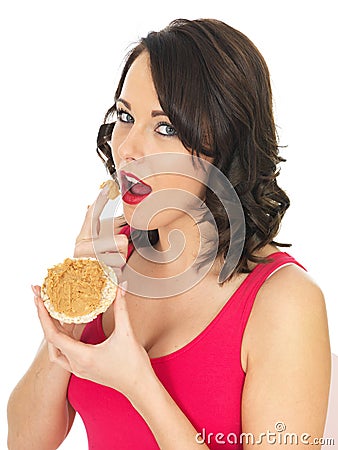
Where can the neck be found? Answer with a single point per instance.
(179, 245)
(178, 242)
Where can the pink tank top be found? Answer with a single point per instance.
(205, 378)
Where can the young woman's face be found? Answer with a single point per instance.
(145, 144)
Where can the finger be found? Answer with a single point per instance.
(112, 243)
(121, 315)
(84, 248)
(37, 300)
(92, 247)
(114, 255)
(118, 273)
(91, 224)
(114, 260)
(68, 346)
(36, 290)
(68, 351)
(111, 251)
(47, 323)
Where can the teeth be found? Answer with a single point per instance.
(131, 179)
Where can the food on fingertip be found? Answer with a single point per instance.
(113, 187)
(78, 289)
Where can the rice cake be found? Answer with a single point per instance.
(79, 289)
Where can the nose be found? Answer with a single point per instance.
(130, 144)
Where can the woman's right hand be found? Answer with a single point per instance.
(70, 329)
(100, 242)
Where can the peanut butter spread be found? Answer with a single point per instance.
(75, 286)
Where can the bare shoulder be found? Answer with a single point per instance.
(289, 289)
(290, 299)
(286, 343)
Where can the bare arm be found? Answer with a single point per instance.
(39, 416)
(288, 376)
(121, 363)
(170, 426)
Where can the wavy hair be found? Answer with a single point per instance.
(214, 85)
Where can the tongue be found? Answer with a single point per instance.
(140, 189)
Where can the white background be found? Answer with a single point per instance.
(59, 65)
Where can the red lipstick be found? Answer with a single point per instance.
(133, 189)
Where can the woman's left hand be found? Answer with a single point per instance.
(119, 362)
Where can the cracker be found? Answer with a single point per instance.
(114, 190)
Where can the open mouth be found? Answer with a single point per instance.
(132, 184)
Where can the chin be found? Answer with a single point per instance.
(161, 219)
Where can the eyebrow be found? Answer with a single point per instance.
(154, 113)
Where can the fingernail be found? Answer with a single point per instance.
(124, 285)
(33, 289)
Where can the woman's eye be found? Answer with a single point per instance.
(124, 117)
(166, 130)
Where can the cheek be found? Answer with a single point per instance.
(177, 183)
(186, 184)
(117, 138)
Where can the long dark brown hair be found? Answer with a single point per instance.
(214, 85)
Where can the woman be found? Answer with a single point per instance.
(240, 348)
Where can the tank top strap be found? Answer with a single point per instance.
(256, 279)
(126, 230)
